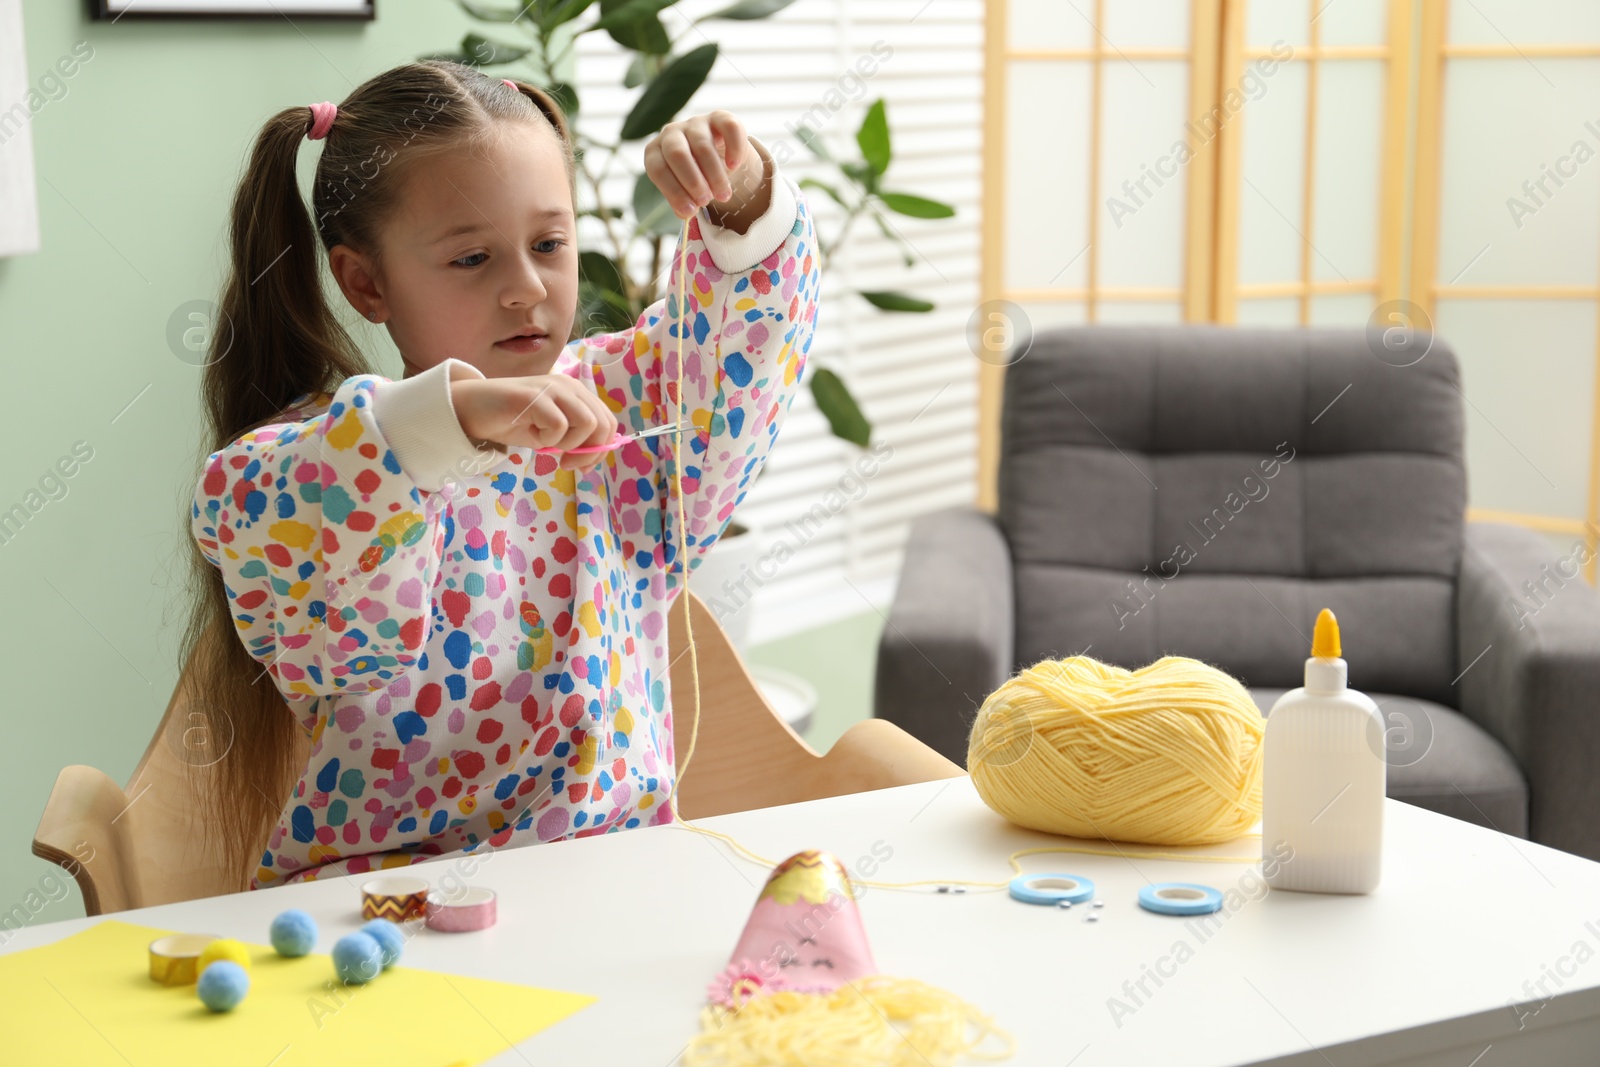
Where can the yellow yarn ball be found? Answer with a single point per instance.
(1169, 754)
(224, 948)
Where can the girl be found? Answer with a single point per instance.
(472, 634)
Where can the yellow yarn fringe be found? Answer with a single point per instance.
(893, 1022)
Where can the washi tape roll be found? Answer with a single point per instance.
(395, 898)
(472, 909)
(1051, 888)
(173, 958)
(1179, 898)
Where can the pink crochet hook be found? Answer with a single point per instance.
(616, 442)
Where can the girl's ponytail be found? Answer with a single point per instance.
(275, 338)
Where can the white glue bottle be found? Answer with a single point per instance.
(1323, 780)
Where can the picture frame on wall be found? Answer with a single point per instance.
(115, 10)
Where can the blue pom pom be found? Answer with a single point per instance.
(223, 985)
(388, 937)
(357, 958)
(294, 933)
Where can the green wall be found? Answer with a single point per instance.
(136, 160)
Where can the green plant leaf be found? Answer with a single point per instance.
(601, 311)
(833, 194)
(637, 72)
(566, 95)
(490, 53)
(873, 137)
(614, 15)
(495, 13)
(813, 141)
(748, 9)
(601, 271)
(561, 13)
(862, 174)
(919, 207)
(840, 408)
(651, 209)
(640, 30)
(889, 301)
(666, 95)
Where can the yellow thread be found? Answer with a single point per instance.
(1239, 713)
(1170, 754)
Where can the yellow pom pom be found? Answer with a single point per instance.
(1170, 754)
(224, 948)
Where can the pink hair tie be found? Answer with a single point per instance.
(513, 84)
(322, 120)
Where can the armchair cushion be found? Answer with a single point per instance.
(1205, 490)
(948, 642)
(1531, 658)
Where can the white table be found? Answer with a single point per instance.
(1422, 971)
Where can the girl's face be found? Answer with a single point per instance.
(482, 248)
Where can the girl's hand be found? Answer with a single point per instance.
(536, 411)
(705, 160)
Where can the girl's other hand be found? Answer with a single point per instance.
(702, 160)
(537, 411)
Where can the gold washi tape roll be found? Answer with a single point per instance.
(395, 898)
(173, 958)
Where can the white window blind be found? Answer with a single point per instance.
(912, 374)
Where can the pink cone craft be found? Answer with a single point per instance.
(805, 934)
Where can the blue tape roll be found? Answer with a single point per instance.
(1180, 898)
(1051, 888)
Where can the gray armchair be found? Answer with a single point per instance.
(1204, 491)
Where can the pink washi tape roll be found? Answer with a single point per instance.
(472, 909)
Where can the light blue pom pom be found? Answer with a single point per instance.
(294, 933)
(357, 958)
(388, 937)
(222, 985)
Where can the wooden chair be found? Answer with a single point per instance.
(747, 757)
(137, 846)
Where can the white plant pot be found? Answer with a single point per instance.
(717, 580)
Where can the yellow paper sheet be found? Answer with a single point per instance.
(88, 999)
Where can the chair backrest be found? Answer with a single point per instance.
(746, 756)
(1204, 491)
(146, 848)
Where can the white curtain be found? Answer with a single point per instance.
(19, 202)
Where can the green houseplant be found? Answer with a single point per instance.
(618, 280)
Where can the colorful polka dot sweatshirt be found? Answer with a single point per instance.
(477, 644)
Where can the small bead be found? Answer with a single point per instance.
(1063, 904)
(1091, 918)
(1098, 904)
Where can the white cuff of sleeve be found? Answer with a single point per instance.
(735, 252)
(418, 420)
